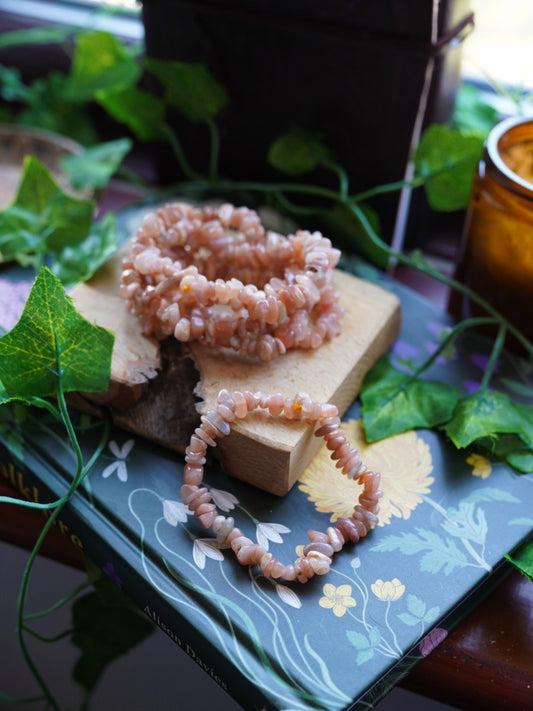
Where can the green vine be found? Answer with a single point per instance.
(54, 343)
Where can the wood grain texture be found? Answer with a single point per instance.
(159, 390)
(487, 661)
(269, 452)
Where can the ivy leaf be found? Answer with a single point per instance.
(100, 62)
(96, 165)
(105, 627)
(472, 113)
(391, 403)
(190, 88)
(297, 152)
(47, 107)
(341, 223)
(50, 332)
(79, 262)
(42, 217)
(446, 159)
(509, 448)
(486, 414)
(523, 559)
(142, 112)
(12, 88)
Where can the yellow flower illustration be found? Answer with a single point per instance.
(480, 465)
(404, 462)
(338, 599)
(388, 589)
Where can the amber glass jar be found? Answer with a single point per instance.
(497, 260)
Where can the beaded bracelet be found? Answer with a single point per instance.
(318, 554)
(215, 276)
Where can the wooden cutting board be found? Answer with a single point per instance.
(158, 391)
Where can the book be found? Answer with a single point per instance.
(341, 641)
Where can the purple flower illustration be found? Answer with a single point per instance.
(404, 354)
(431, 348)
(437, 328)
(471, 386)
(432, 640)
(405, 350)
(109, 570)
(481, 361)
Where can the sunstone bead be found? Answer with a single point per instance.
(318, 553)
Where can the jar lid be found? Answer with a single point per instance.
(505, 134)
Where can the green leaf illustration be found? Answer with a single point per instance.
(297, 152)
(467, 521)
(438, 554)
(418, 612)
(392, 403)
(364, 645)
(447, 159)
(491, 493)
(42, 218)
(100, 62)
(190, 88)
(50, 334)
(522, 521)
(96, 165)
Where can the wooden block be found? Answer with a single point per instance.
(152, 390)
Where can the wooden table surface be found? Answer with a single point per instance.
(485, 663)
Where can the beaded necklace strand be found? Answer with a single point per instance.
(214, 275)
(318, 554)
(217, 277)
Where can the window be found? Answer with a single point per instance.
(81, 13)
(500, 50)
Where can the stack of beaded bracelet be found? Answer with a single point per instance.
(318, 554)
(215, 276)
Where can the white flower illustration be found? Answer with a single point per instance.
(119, 465)
(175, 512)
(206, 548)
(223, 499)
(288, 596)
(266, 532)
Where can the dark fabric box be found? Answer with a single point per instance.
(367, 75)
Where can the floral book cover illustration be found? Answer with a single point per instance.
(342, 641)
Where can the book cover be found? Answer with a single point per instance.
(341, 641)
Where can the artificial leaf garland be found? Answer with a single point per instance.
(52, 344)
(45, 223)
